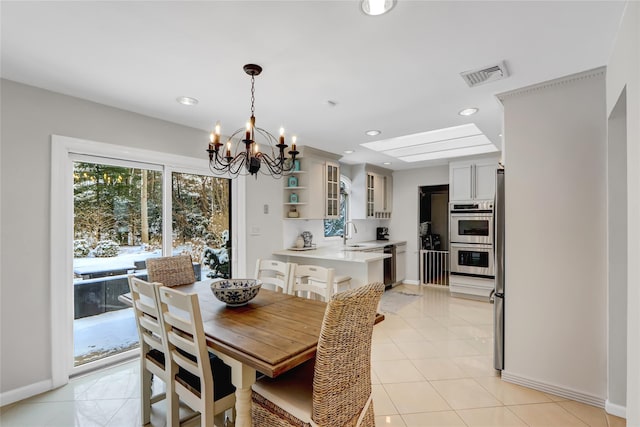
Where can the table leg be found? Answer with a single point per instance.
(242, 377)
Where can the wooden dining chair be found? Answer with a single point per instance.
(171, 270)
(336, 390)
(274, 273)
(205, 383)
(313, 280)
(152, 348)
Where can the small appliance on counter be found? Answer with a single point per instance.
(382, 233)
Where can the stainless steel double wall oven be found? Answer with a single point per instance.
(471, 226)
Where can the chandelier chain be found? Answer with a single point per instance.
(253, 94)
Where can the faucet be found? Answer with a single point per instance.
(346, 228)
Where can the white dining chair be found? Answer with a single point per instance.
(276, 274)
(187, 350)
(152, 349)
(313, 280)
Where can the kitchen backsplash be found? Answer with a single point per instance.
(366, 231)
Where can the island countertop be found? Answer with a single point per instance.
(337, 253)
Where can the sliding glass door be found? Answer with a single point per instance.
(201, 221)
(118, 217)
(117, 225)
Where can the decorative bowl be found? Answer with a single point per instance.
(236, 292)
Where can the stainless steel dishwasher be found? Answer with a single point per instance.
(390, 266)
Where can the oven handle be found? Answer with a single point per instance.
(471, 245)
(471, 212)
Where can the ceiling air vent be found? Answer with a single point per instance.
(486, 74)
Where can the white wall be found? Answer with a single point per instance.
(555, 288)
(29, 117)
(623, 71)
(264, 231)
(617, 253)
(406, 210)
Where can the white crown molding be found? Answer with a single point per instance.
(589, 74)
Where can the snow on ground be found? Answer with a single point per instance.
(115, 331)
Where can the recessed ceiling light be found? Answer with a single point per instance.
(348, 151)
(373, 132)
(186, 100)
(377, 7)
(386, 163)
(468, 111)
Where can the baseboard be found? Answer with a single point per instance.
(12, 396)
(617, 410)
(554, 389)
(410, 282)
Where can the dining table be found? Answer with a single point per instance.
(272, 334)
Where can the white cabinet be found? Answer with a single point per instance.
(371, 192)
(332, 190)
(315, 192)
(472, 180)
(383, 195)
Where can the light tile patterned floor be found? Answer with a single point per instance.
(431, 366)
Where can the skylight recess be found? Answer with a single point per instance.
(457, 141)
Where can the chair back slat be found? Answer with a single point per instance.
(172, 270)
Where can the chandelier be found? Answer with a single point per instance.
(247, 157)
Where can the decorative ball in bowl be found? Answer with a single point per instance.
(236, 292)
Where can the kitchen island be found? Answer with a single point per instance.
(362, 261)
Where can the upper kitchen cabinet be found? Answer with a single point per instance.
(371, 192)
(317, 172)
(472, 180)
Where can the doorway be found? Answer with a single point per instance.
(433, 234)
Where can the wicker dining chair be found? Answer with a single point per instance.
(171, 270)
(336, 390)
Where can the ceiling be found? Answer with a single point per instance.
(330, 72)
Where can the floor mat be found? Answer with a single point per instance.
(394, 301)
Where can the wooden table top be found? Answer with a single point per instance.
(273, 333)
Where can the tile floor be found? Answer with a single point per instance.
(431, 362)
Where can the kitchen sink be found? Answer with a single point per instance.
(359, 246)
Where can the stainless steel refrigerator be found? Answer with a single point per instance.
(498, 296)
